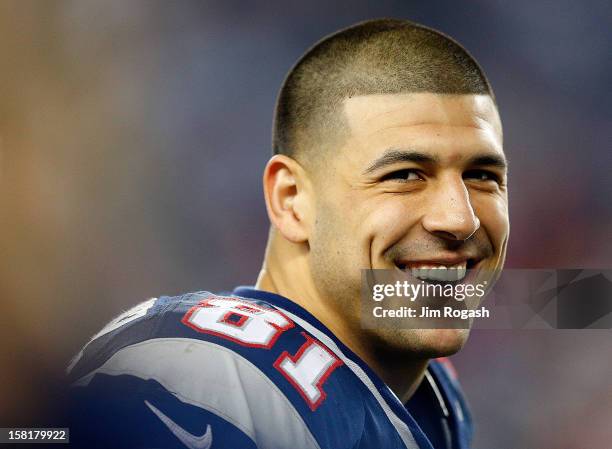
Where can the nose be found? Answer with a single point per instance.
(450, 214)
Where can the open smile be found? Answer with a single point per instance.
(447, 270)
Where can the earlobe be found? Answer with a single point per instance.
(285, 195)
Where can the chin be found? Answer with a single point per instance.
(441, 342)
(422, 343)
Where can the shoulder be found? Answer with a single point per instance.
(445, 375)
(177, 327)
(137, 324)
(242, 360)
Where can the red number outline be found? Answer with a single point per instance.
(319, 385)
(206, 303)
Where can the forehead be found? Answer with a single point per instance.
(449, 124)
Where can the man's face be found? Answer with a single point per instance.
(419, 182)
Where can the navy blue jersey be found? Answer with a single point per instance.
(243, 371)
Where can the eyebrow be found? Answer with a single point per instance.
(492, 160)
(391, 157)
(394, 156)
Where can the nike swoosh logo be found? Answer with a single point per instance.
(188, 439)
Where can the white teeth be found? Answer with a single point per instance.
(440, 272)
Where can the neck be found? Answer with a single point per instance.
(286, 272)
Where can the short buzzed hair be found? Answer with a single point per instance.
(383, 56)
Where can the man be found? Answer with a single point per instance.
(387, 155)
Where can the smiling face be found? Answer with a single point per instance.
(419, 181)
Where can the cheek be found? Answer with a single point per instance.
(386, 222)
(353, 228)
(493, 215)
(333, 231)
(336, 255)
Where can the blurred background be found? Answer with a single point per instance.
(133, 136)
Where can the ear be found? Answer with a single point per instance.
(287, 197)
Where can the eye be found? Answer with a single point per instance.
(405, 175)
(481, 175)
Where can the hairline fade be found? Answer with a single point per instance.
(380, 56)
